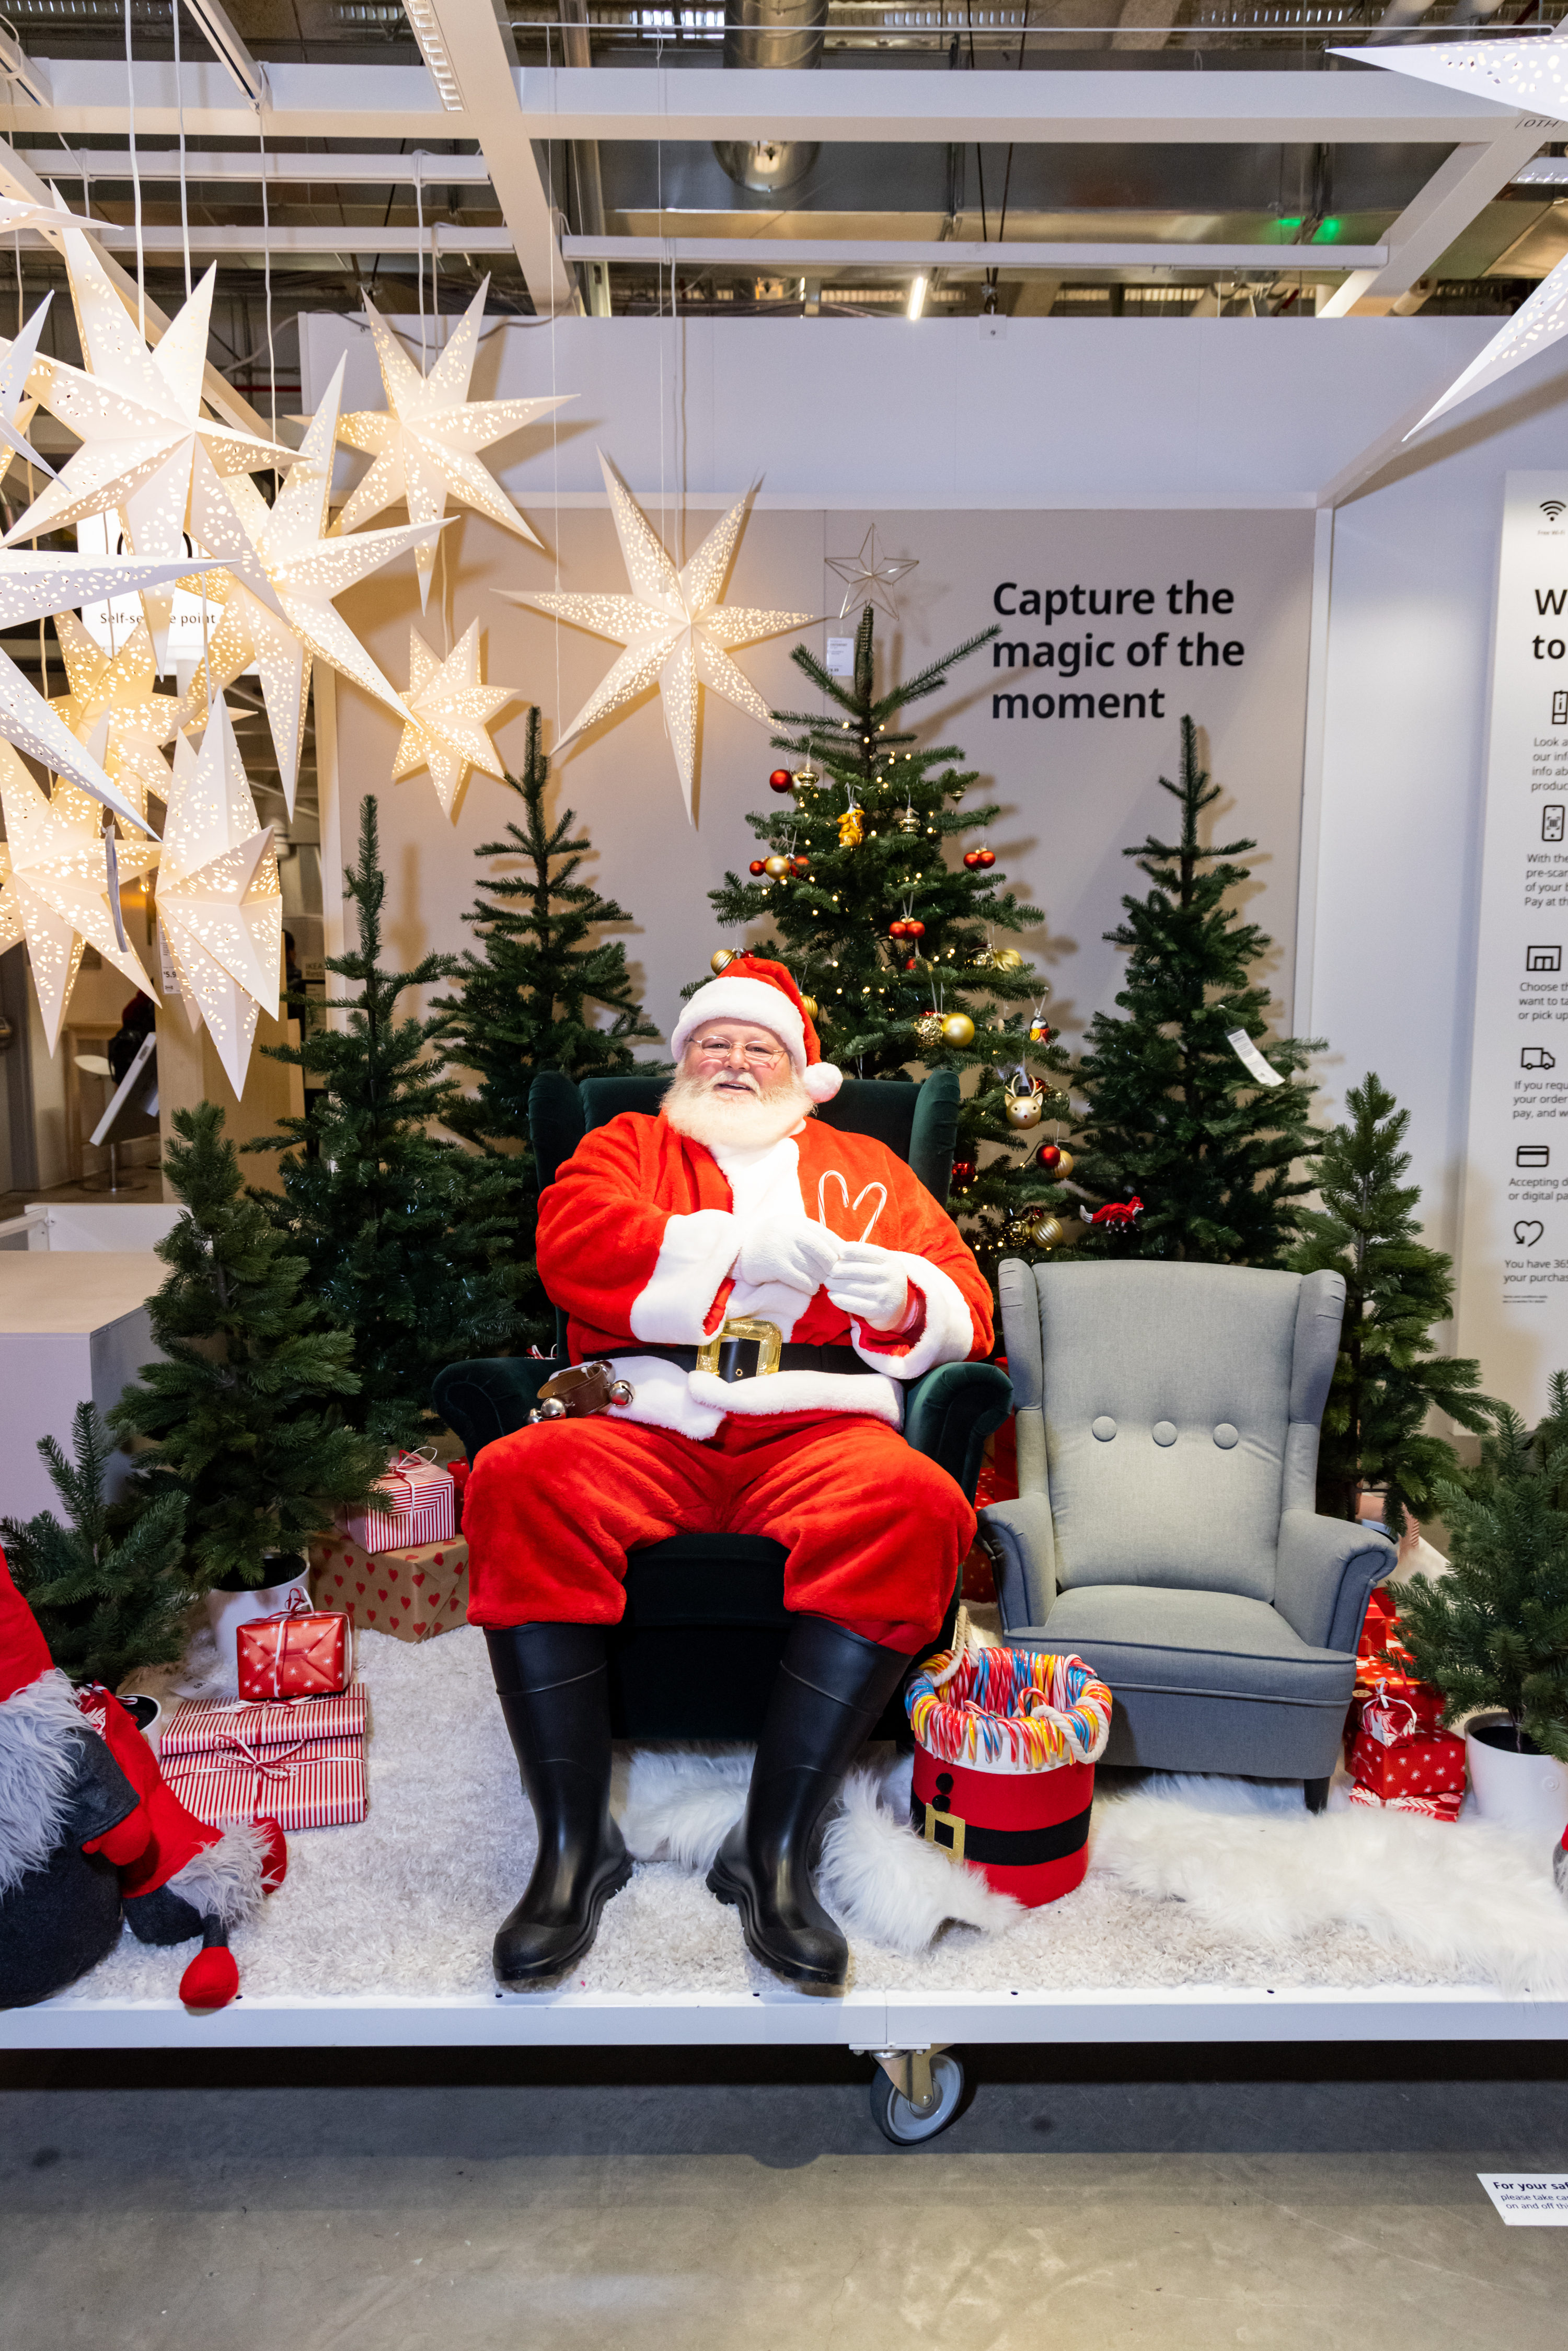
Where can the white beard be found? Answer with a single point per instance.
(736, 1122)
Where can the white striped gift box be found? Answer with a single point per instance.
(321, 1785)
(202, 1725)
(417, 1504)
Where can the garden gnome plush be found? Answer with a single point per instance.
(90, 1834)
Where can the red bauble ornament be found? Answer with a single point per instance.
(896, 930)
(781, 780)
(971, 857)
(1048, 1155)
(757, 865)
(963, 1171)
(985, 856)
(914, 930)
(803, 864)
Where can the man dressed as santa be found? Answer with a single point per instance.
(734, 1206)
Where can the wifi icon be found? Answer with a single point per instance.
(1552, 508)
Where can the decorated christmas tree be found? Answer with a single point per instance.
(901, 951)
(409, 1239)
(105, 1587)
(530, 997)
(1204, 1136)
(1389, 1374)
(246, 1406)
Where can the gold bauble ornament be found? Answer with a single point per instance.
(1025, 1109)
(906, 822)
(1047, 1232)
(1064, 1165)
(806, 778)
(776, 868)
(1007, 959)
(982, 959)
(928, 1028)
(809, 1007)
(721, 959)
(957, 1029)
(1018, 1233)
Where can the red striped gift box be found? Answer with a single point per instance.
(202, 1725)
(318, 1784)
(418, 1505)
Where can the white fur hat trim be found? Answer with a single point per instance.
(759, 1002)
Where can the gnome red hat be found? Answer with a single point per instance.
(750, 988)
(24, 1652)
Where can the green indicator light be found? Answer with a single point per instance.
(1290, 224)
(1330, 228)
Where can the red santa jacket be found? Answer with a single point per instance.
(638, 1238)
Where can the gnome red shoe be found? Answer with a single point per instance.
(212, 1980)
(553, 1684)
(832, 1685)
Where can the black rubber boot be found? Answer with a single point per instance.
(553, 1686)
(831, 1686)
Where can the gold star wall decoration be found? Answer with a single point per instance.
(220, 901)
(54, 872)
(113, 709)
(675, 630)
(283, 576)
(868, 575)
(451, 708)
(425, 438)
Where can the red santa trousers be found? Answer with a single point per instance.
(875, 1530)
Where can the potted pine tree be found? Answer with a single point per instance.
(1492, 1633)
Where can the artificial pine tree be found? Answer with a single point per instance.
(105, 1588)
(525, 996)
(1389, 1374)
(846, 872)
(1493, 1631)
(245, 1409)
(1175, 1117)
(409, 1240)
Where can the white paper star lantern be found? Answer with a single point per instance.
(282, 578)
(451, 708)
(1532, 75)
(56, 894)
(425, 438)
(15, 396)
(673, 625)
(30, 585)
(112, 708)
(220, 901)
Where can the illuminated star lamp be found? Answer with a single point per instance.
(673, 628)
(220, 901)
(112, 708)
(451, 708)
(1530, 75)
(425, 438)
(55, 892)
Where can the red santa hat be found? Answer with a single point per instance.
(24, 1652)
(750, 988)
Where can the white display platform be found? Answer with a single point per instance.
(860, 2019)
(98, 1226)
(73, 1326)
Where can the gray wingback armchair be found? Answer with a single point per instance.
(1165, 1527)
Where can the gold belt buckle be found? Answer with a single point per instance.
(935, 1820)
(769, 1336)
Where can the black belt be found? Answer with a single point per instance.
(737, 1358)
(1005, 1849)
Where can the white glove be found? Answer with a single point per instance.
(871, 1284)
(789, 1249)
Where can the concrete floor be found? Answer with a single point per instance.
(446, 2202)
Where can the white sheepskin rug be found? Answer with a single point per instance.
(1190, 1881)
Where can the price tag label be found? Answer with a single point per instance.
(1529, 2199)
(841, 656)
(1247, 1053)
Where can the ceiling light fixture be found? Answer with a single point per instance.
(432, 41)
(917, 297)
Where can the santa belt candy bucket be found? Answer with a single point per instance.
(1005, 1742)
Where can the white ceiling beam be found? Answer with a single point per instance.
(953, 258)
(212, 241)
(17, 179)
(20, 73)
(229, 48)
(1460, 188)
(401, 102)
(344, 171)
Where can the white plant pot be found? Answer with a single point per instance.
(228, 1611)
(1529, 1792)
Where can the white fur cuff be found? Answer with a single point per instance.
(695, 1255)
(949, 1333)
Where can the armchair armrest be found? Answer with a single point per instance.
(1326, 1568)
(1021, 1541)
(949, 1412)
(490, 1398)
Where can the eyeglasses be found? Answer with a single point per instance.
(724, 1049)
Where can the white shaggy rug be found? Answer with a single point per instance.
(1190, 1882)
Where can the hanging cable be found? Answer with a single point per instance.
(179, 103)
(267, 275)
(135, 179)
(419, 251)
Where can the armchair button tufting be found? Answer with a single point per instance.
(1225, 1436)
(1104, 1428)
(1164, 1432)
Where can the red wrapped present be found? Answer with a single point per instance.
(417, 1505)
(1420, 1764)
(202, 1725)
(300, 1652)
(1426, 1808)
(1375, 1683)
(412, 1595)
(301, 1761)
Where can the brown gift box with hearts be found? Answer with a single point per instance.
(412, 1594)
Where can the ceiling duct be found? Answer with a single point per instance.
(778, 35)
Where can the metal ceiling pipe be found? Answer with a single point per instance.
(775, 34)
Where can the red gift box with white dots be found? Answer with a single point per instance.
(412, 1595)
(1425, 1765)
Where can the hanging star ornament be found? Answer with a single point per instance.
(112, 708)
(220, 901)
(451, 708)
(17, 404)
(1532, 74)
(30, 585)
(869, 577)
(424, 440)
(673, 625)
(56, 894)
(1534, 326)
(282, 578)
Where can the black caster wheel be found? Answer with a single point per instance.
(907, 2124)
